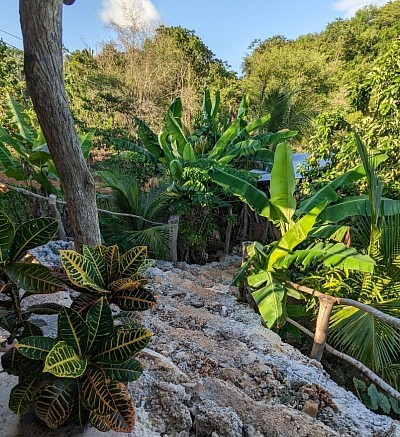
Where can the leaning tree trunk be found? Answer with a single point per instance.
(43, 63)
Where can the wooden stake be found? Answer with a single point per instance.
(173, 233)
(61, 235)
(228, 233)
(326, 304)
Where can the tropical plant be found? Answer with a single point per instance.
(150, 208)
(81, 375)
(19, 279)
(175, 147)
(267, 267)
(375, 399)
(287, 110)
(377, 230)
(24, 154)
(101, 271)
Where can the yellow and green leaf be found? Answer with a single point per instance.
(73, 330)
(127, 283)
(100, 323)
(95, 394)
(138, 299)
(34, 278)
(63, 361)
(123, 345)
(80, 270)
(99, 264)
(132, 260)
(31, 234)
(35, 348)
(21, 396)
(130, 370)
(53, 402)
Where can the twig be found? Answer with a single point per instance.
(360, 366)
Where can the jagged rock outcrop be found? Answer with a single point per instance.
(221, 373)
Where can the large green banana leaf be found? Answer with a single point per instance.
(336, 255)
(283, 182)
(295, 235)
(20, 119)
(352, 206)
(225, 139)
(255, 198)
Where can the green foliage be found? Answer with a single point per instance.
(186, 158)
(102, 272)
(80, 377)
(150, 206)
(175, 147)
(375, 399)
(24, 154)
(15, 274)
(268, 267)
(11, 75)
(375, 116)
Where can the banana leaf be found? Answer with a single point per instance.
(283, 182)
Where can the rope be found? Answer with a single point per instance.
(62, 202)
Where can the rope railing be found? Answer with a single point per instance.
(173, 222)
(63, 202)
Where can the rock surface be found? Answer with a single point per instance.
(214, 371)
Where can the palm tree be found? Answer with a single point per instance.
(150, 208)
(287, 111)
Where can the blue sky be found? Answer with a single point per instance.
(226, 26)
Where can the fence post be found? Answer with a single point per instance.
(173, 223)
(326, 304)
(228, 233)
(61, 235)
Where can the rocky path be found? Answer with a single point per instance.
(223, 374)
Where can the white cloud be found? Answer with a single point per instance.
(350, 7)
(128, 13)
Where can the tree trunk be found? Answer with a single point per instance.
(43, 63)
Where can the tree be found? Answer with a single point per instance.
(43, 65)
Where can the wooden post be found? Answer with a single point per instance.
(326, 304)
(244, 290)
(61, 235)
(173, 223)
(228, 233)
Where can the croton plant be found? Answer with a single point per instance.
(80, 376)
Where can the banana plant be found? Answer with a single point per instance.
(17, 275)
(176, 148)
(24, 154)
(370, 340)
(267, 265)
(80, 376)
(101, 271)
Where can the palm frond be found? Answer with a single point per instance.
(156, 238)
(366, 338)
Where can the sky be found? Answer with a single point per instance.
(227, 27)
